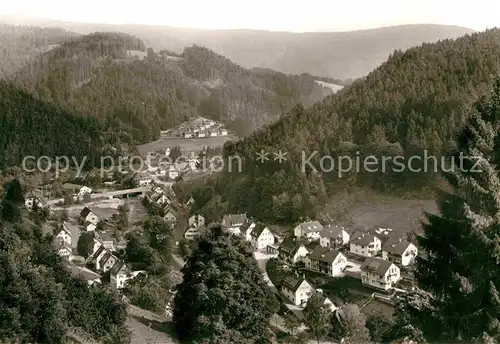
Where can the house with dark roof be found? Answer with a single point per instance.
(261, 237)
(247, 228)
(365, 244)
(292, 250)
(107, 261)
(84, 274)
(327, 261)
(120, 274)
(334, 236)
(399, 251)
(87, 216)
(233, 222)
(64, 234)
(297, 290)
(310, 229)
(379, 273)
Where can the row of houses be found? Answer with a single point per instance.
(102, 256)
(166, 202)
(325, 248)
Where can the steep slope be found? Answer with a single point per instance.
(112, 76)
(410, 106)
(19, 45)
(29, 127)
(334, 54)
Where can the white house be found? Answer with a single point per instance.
(223, 132)
(90, 227)
(213, 133)
(84, 190)
(334, 236)
(292, 250)
(201, 134)
(120, 274)
(197, 220)
(233, 222)
(379, 273)
(106, 239)
(65, 251)
(261, 237)
(35, 197)
(311, 230)
(400, 252)
(87, 216)
(172, 172)
(64, 235)
(145, 181)
(107, 261)
(297, 290)
(170, 216)
(247, 228)
(325, 260)
(188, 135)
(365, 244)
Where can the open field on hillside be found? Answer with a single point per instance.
(403, 216)
(186, 145)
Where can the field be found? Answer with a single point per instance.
(402, 216)
(186, 145)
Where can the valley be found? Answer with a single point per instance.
(156, 239)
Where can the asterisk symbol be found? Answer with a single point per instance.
(280, 156)
(262, 156)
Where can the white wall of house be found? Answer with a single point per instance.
(109, 264)
(91, 227)
(300, 254)
(84, 190)
(300, 297)
(64, 252)
(410, 253)
(92, 218)
(248, 233)
(64, 237)
(265, 238)
(385, 282)
(370, 250)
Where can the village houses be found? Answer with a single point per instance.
(310, 230)
(64, 235)
(379, 273)
(170, 216)
(76, 189)
(399, 251)
(261, 237)
(84, 274)
(232, 223)
(196, 224)
(297, 290)
(35, 198)
(327, 261)
(334, 237)
(292, 250)
(365, 244)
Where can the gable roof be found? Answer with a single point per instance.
(396, 246)
(376, 265)
(258, 229)
(292, 282)
(85, 212)
(332, 232)
(324, 254)
(194, 219)
(117, 267)
(235, 219)
(64, 228)
(98, 252)
(246, 225)
(106, 257)
(311, 227)
(363, 239)
(82, 273)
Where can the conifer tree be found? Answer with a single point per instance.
(460, 247)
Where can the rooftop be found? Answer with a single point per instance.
(376, 265)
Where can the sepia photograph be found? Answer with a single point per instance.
(250, 172)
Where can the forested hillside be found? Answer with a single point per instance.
(412, 103)
(29, 127)
(113, 77)
(343, 55)
(20, 45)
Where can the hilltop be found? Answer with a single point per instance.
(412, 105)
(340, 55)
(116, 78)
(19, 45)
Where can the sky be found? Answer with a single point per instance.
(273, 15)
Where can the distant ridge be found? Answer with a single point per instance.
(343, 55)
